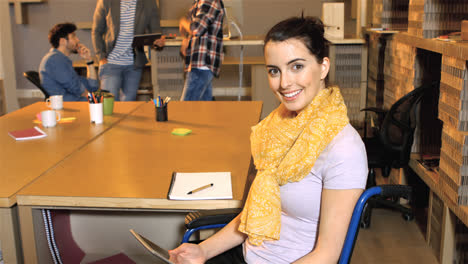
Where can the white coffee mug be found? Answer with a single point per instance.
(96, 113)
(49, 118)
(55, 102)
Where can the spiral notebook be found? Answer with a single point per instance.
(200, 186)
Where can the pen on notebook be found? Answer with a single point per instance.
(200, 188)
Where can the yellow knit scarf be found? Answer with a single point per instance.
(285, 149)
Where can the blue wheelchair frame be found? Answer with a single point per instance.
(348, 246)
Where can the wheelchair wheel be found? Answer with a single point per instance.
(364, 224)
(365, 216)
(408, 216)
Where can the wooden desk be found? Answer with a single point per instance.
(131, 164)
(24, 161)
(245, 41)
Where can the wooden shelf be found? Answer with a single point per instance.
(19, 18)
(246, 61)
(428, 177)
(383, 32)
(347, 41)
(453, 49)
(253, 40)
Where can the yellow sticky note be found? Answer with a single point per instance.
(181, 131)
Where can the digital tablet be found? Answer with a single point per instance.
(152, 248)
(145, 39)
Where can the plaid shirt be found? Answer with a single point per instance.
(205, 47)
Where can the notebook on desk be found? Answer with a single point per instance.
(26, 134)
(200, 186)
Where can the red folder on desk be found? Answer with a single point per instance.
(25, 134)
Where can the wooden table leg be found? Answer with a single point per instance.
(9, 235)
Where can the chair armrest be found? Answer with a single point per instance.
(209, 217)
(379, 111)
(390, 190)
(375, 110)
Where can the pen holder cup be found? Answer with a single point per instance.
(108, 104)
(96, 113)
(161, 113)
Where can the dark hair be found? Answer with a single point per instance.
(308, 29)
(60, 31)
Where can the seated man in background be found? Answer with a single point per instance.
(58, 77)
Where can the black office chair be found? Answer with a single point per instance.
(390, 147)
(33, 76)
(218, 218)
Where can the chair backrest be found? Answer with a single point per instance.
(397, 129)
(33, 76)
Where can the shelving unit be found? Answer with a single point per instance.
(19, 11)
(413, 58)
(349, 71)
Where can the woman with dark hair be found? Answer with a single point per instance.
(311, 163)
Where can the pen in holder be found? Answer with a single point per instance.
(161, 108)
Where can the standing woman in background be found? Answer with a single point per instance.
(115, 23)
(311, 163)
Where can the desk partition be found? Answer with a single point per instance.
(22, 162)
(130, 166)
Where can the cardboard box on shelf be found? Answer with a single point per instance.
(464, 30)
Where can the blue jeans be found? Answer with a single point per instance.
(198, 86)
(115, 77)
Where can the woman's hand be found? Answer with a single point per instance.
(187, 253)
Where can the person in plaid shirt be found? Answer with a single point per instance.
(202, 48)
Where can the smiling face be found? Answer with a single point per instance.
(294, 74)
